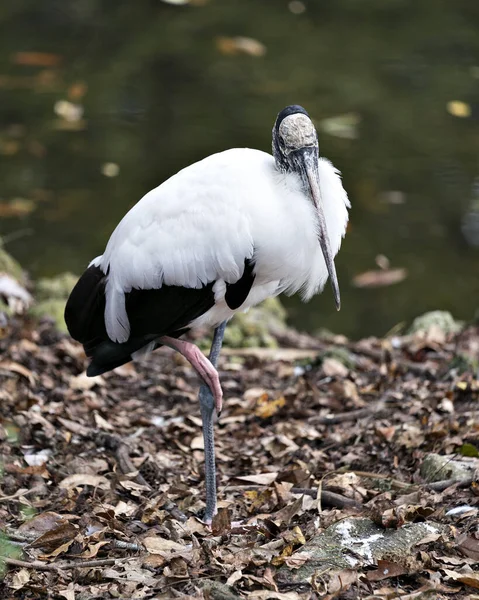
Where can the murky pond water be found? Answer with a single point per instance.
(100, 101)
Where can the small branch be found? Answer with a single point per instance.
(328, 498)
(121, 545)
(440, 486)
(62, 565)
(22, 493)
(352, 415)
(395, 483)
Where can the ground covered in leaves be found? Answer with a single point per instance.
(102, 487)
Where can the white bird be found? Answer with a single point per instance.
(216, 238)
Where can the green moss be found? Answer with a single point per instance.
(52, 294)
(436, 318)
(9, 265)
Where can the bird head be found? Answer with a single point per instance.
(296, 150)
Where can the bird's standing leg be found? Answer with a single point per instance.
(210, 397)
(204, 367)
(207, 404)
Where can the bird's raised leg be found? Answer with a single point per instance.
(204, 367)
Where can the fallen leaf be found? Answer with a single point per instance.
(36, 59)
(20, 578)
(240, 45)
(379, 278)
(386, 569)
(159, 545)
(80, 479)
(221, 522)
(470, 579)
(40, 524)
(83, 382)
(469, 546)
(13, 367)
(56, 537)
(260, 479)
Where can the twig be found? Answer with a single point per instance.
(21, 493)
(21, 538)
(352, 415)
(121, 545)
(440, 486)
(401, 485)
(328, 498)
(62, 565)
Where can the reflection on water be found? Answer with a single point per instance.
(101, 101)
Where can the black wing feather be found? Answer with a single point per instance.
(236, 293)
(152, 314)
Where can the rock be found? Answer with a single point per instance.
(437, 319)
(438, 468)
(353, 543)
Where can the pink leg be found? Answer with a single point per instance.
(201, 364)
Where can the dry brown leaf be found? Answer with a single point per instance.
(79, 479)
(14, 367)
(82, 382)
(469, 546)
(341, 581)
(56, 537)
(20, 579)
(159, 545)
(46, 521)
(260, 479)
(333, 368)
(470, 579)
(221, 522)
(386, 569)
(93, 549)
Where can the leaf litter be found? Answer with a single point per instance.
(102, 486)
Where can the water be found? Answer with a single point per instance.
(102, 100)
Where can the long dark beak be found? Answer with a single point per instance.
(307, 163)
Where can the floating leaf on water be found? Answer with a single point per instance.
(18, 207)
(457, 108)
(240, 45)
(342, 126)
(372, 279)
(36, 59)
(297, 7)
(68, 110)
(110, 169)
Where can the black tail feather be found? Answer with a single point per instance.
(152, 313)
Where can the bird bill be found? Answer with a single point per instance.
(310, 170)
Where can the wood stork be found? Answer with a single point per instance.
(218, 237)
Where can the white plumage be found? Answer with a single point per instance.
(219, 236)
(201, 224)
